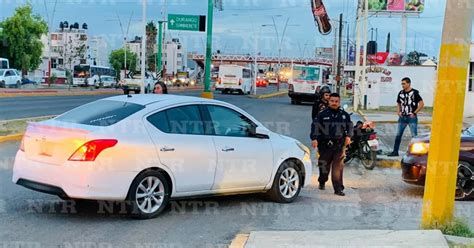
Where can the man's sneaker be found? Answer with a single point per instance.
(339, 193)
(393, 154)
(322, 186)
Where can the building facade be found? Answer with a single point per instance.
(174, 57)
(98, 52)
(69, 47)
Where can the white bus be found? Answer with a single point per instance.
(89, 75)
(4, 63)
(234, 78)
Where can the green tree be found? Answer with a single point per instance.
(413, 58)
(22, 33)
(117, 59)
(151, 32)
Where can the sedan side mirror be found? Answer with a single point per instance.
(258, 132)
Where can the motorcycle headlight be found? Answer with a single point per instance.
(419, 148)
(304, 148)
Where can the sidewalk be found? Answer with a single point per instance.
(343, 238)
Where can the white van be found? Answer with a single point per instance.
(304, 81)
(234, 78)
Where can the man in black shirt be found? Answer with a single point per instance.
(331, 132)
(409, 104)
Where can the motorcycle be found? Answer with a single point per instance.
(364, 145)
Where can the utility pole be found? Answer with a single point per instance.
(440, 186)
(50, 24)
(357, 79)
(143, 57)
(207, 93)
(339, 55)
(160, 49)
(364, 58)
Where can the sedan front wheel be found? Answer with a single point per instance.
(464, 181)
(287, 183)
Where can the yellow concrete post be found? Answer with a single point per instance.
(438, 202)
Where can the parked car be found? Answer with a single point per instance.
(107, 81)
(414, 163)
(10, 78)
(179, 146)
(25, 80)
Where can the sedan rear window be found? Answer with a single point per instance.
(100, 113)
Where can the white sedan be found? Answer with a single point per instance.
(148, 149)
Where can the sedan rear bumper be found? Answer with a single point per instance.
(77, 180)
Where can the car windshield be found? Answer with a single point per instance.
(1, 72)
(100, 113)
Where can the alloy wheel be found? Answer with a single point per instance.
(464, 181)
(289, 182)
(150, 194)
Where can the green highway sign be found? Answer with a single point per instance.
(187, 22)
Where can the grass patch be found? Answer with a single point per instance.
(17, 126)
(457, 227)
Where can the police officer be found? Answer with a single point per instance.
(331, 132)
(321, 102)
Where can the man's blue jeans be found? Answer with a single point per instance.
(403, 122)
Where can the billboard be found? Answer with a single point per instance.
(306, 73)
(400, 6)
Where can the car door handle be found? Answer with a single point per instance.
(166, 149)
(228, 149)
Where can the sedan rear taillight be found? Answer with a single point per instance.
(90, 150)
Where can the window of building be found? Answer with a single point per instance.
(54, 36)
(54, 63)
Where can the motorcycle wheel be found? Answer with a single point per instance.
(369, 157)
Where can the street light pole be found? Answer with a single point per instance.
(207, 82)
(143, 57)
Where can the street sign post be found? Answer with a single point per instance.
(187, 22)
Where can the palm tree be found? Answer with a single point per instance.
(151, 32)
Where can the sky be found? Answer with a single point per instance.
(238, 28)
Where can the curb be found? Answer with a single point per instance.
(270, 95)
(240, 240)
(460, 241)
(389, 122)
(389, 164)
(83, 93)
(12, 137)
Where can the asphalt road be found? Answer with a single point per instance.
(34, 106)
(375, 200)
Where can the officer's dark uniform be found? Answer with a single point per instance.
(330, 128)
(318, 107)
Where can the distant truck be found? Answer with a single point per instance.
(234, 78)
(133, 84)
(303, 83)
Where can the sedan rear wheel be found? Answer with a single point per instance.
(287, 183)
(465, 181)
(149, 195)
